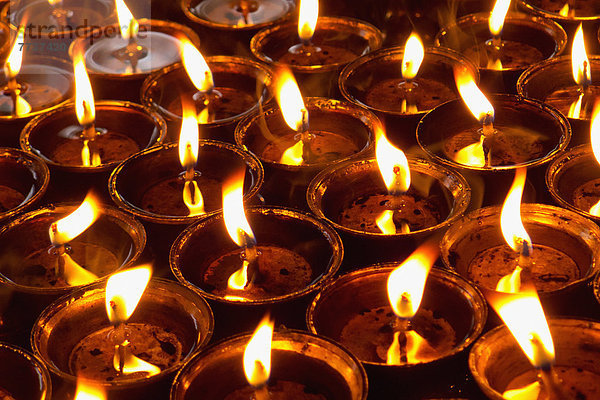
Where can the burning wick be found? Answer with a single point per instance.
(60, 14)
(411, 62)
(245, 8)
(307, 21)
(496, 23)
(11, 70)
(129, 28)
(123, 293)
(405, 287)
(295, 115)
(257, 358)
(63, 231)
(199, 73)
(188, 157)
(240, 232)
(582, 75)
(393, 166)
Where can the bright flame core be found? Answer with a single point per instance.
(233, 210)
(478, 104)
(128, 25)
(257, 356)
(510, 218)
(580, 63)
(188, 138)
(498, 15)
(84, 96)
(595, 140)
(15, 58)
(393, 165)
(290, 100)
(87, 391)
(293, 154)
(124, 291)
(406, 283)
(413, 56)
(196, 67)
(68, 228)
(307, 18)
(523, 315)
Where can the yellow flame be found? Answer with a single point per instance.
(406, 283)
(575, 107)
(84, 96)
(510, 217)
(192, 198)
(15, 58)
(290, 100)
(472, 155)
(233, 210)
(196, 67)
(188, 138)
(510, 283)
(257, 356)
(307, 18)
(582, 71)
(131, 363)
(88, 391)
(239, 279)
(498, 15)
(393, 164)
(595, 140)
(74, 274)
(495, 64)
(385, 222)
(68, 228)
(564, 11)
(478, 104)
(529, 392)
(293, 154)
(523, 315)
(413, 56)
(22, 106)
(415, 344)
(127, 24)
(54, 2)
(89, 158)
(124, 291)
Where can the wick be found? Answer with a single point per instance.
(525, 255)
(409, 102)
(131, 53)
(261, 392)
(397, 203)
(250, 255)
(401, 326)
(120, 338)
(14, 89)
(551, 383)
(246, 7)
(488, 133)
(306, 137)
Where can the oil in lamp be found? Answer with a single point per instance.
(286, 364)
(118, 64)
(223, 89)
(314, 48)
(23, 181)
(405, 334)
(126, 335)
(517, 41)
(302, 137)
(29, 88)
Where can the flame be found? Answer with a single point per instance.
(84, 96)
(510, 283)
(415, 344)
(68, 228)
(510, 217)
(293, 154)
(496, 22)
(385, 222)
(188, 138)
(54, 2)
(196, 67)
(127, 24)
(15, 58)
(393, 165)
(595, 140)
(87, 391)
(523, 315)
(564, 11)
(413, 56)
(478, 104)
(307, 18)
(124, 291)
(131, 363)
(290, 100)
(580, 64)
(89, 158)
(239, 279)
(74, 274)
(257, 356)
(575, 107)
(233, 210)
(406, 283)
(529, 392)
(472, 155)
